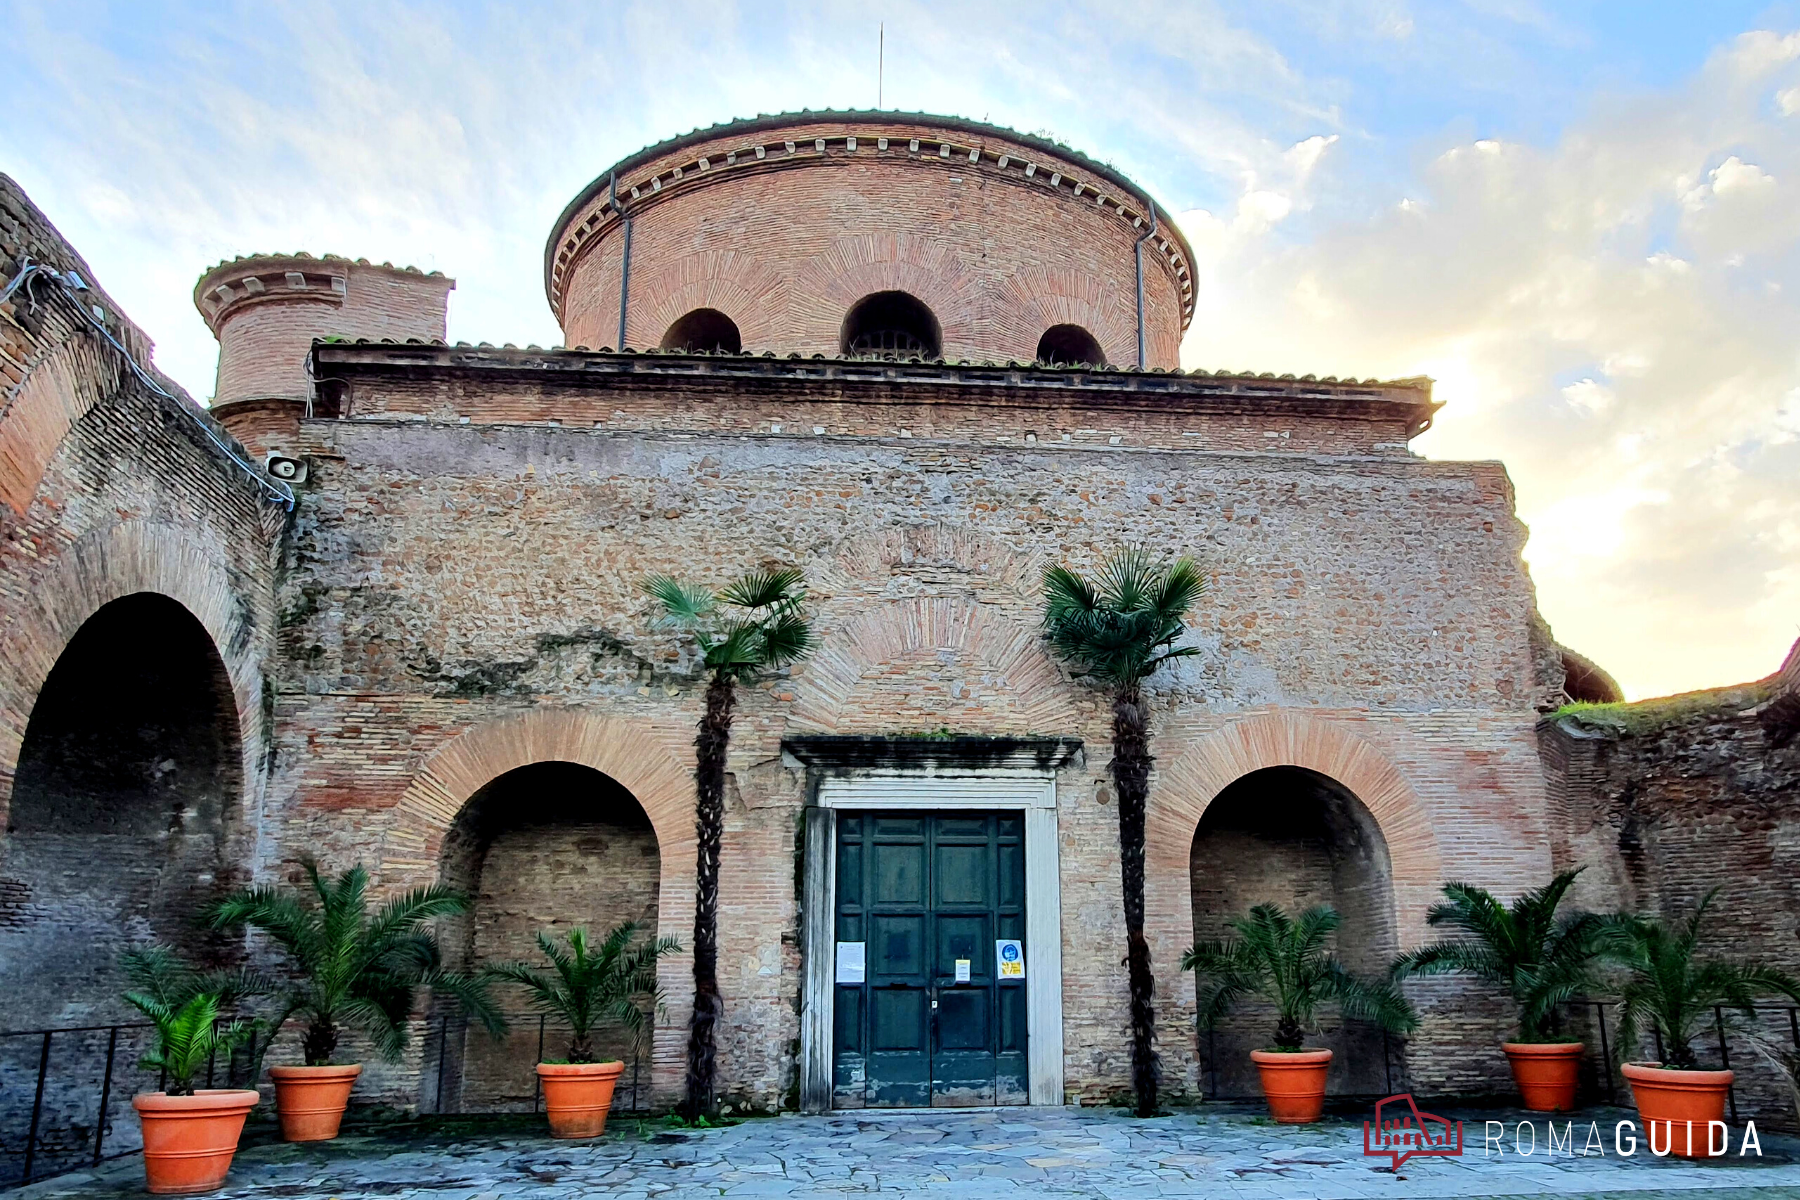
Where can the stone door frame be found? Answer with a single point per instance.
(1009, 776)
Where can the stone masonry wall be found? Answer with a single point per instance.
(1664, 800)
(112, 491)
(446, 579)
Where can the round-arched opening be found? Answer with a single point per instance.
(704, 329)
(891, 325)
(121, 806)
(1295, 838)
(1584, 681)
(1069, 346)
(551, 846)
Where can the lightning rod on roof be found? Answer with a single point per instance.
(880, 59)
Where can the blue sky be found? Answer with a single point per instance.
(1579, 217)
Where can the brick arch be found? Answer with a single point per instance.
(851, 268)
(1019, 311)
(109, 564)
(1187, 786)
(1003, 654)
(72, 378)
(647, 762)
(748, 292)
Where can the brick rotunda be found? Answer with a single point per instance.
(920, 358)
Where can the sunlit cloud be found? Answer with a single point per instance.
(1603, 280)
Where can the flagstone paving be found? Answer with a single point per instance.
(988, 1154)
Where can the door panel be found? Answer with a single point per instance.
(927, 890)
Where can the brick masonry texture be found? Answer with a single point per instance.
(1664, 800)
(785, 242)
(267, 310)
(454, 603)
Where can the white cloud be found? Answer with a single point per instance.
(1659, 483)
(1611, 312)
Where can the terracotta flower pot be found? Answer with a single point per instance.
(189, 1140)
(311, 1100)
(1546, 1073)
(1294, 1083)
(578, 1096)
(1676, 1106)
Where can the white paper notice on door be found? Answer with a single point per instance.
(962, 970)
(1009, 959)
(850, 962)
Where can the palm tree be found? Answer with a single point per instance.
(183, 1003)
(187, 1037)
(1542, 960)
(355, 966)
(753, 625)
(1285, 960)
(585, 987)
(1671, 992)
(1116, 632)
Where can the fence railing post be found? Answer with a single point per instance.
(1612, 1097)
(1725, 1056)
(37, 1107)
(442, 1058)
(537, 1089)
(112, 1046)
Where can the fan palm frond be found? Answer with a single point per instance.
(352, 964)
(1669, 991)
(587, 983)
(1119, 631)
(1542, 959)
(1287, 961)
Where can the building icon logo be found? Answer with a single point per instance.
(1401, 1131)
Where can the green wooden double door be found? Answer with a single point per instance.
(930, 903)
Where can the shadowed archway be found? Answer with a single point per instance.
(1295, 838)
(549, 847)
(128, 777)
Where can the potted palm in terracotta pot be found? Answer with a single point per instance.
(585, 987)
(190, 1134)
(1541, 959)
(1287, 961)
(1676, 996)
(353, 966)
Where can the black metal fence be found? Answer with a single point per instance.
(1609, 1081)
(463, 1071)
(65, 1095)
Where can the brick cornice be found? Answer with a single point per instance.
(861, 381)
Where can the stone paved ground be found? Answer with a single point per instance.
(988, 1154)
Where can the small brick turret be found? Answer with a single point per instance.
(266, 311)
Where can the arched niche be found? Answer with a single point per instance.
(1294, 838)
(704, 329)
(1068, 346)
(129, 773)
(891, 325)
(551, 846)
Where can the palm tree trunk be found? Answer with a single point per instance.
(320, 1042)
(709, 823)
(1131, 780)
